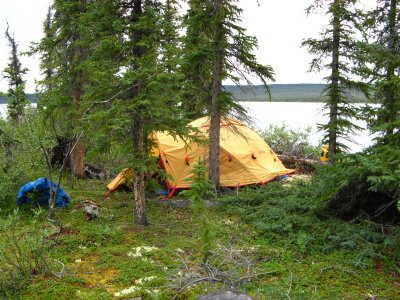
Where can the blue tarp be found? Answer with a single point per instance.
(281, 177)
(41, 189)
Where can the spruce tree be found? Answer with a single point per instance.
(14, 72)
(169, 40)
(225, 52)
(151, 102)
(369, 181)
(46, 58)
(381, 66)
(64, 50)
(139, 90)
(196, 63)
(335, 51)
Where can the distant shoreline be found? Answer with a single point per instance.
(302, 92)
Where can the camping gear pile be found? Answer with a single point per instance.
(38, 192)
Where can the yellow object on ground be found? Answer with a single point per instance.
(125, 174)
(324, 153)
(244, 157)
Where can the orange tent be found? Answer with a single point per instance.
(244, 157)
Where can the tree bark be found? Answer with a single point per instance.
(334, 90)
(215, 113)
(138, 126)
(138, 182)
(77, 160)
(78, 154)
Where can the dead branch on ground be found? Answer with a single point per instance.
(226, 266)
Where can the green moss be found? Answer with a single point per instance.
(310, 254)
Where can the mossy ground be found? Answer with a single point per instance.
(100, 258)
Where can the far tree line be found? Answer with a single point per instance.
(119, 69)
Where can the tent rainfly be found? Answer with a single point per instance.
(245, 158)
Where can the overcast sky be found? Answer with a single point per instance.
(280, 26)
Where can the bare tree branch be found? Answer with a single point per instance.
(209, 279)
(62, 269)
(227, 266)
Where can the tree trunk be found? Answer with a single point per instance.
(139, 211)
(76, 158)
(215, 113)
(78, 154)
(390, 97)
(138, 182)
(334, 90)
(304, 164)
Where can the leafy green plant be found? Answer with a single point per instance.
(21, 154)
(290, 142)
(200, 187)
(23, 255)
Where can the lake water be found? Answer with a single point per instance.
(296, 115)
(300, 115)
(3, 108)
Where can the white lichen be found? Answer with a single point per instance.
(138, 287)
(140, 281)
(148, 260)
(227, 222)
(153, 292)
(139, 251)
(127, 291)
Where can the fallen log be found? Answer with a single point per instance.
(306, 165)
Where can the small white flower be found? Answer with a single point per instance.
(78, 260)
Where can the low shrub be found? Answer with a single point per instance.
(23, 255)
(293, 216)
(21, 156)
(364, 185)
(284, 140)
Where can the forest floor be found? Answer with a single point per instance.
(109, 257)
